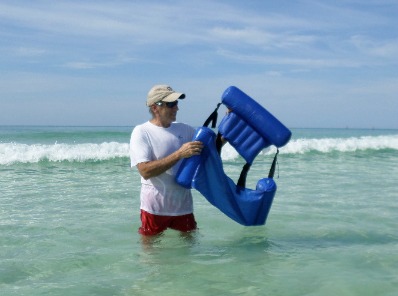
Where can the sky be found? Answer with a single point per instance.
(311, 63)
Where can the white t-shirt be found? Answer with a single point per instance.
(161, 195)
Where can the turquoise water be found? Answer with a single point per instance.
(70, 211)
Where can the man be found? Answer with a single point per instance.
(156, 149)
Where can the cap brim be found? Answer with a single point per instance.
(174, 97)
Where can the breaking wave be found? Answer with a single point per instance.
(11, 153)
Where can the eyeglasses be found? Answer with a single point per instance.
(168, 104)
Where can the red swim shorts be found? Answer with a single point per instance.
(155, 224)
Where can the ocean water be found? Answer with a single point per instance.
(69, 214)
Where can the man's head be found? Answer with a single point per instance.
(163, 104)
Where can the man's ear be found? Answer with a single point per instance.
(153, 107)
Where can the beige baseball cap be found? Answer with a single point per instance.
(162, 92)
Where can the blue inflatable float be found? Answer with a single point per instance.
(249, 128)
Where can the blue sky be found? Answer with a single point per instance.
(310, 63)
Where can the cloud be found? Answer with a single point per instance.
(29, 51)
(63, 17)
(110, 63)
(303, 63)
(260, 37)
(380, 48)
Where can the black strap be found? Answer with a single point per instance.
(212, 118)
(243, 175)
(219, 143)
(272, 170)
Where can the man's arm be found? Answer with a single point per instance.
(154, 168)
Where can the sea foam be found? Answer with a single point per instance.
(22, 153)
(327, 145)
(11, 153)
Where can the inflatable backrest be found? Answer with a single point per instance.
(257, 117)
(247, 141)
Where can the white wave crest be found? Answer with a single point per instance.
(22, 153)
(11, 153)
(325, 145)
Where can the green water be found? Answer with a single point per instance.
(70, 228)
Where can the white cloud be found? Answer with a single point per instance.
(303, 63)
(381, 48)
(29, 51)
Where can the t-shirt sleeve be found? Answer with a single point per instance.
(140, 148)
